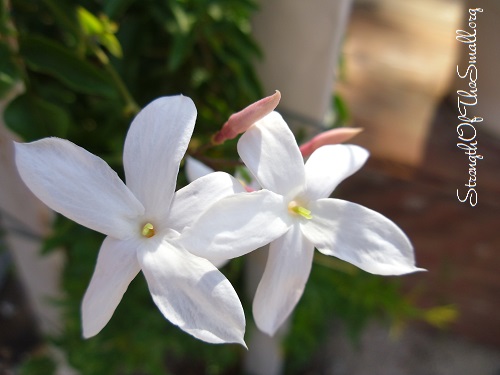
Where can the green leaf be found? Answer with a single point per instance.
(341, 110)
(33, 117)
(91, 25)
(112, 44)
(38, 365)
(100, 28)
(115, 8)
(9, 74)
(185, 21)
(65, 15)
(45, 56)
(182, 47)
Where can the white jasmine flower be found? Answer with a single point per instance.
(294, 214)
(141, 219)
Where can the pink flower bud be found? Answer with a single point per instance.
(239, 122)
(329, 137)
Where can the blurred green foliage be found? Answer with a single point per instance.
(87, 67)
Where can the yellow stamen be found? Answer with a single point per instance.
(294, 208)
(148, 230)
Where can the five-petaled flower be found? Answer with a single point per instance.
(294, 214)
(142, 220)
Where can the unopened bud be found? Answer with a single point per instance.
(329, 137)
(240, 121)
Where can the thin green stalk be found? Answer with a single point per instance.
(131, 107)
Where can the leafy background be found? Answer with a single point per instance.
(87, 68)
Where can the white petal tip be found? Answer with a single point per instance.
(88, 329)
(86, 334)
(268, 330)
(420, 270)
(399, 272)
(413, 270)
(237, 339)
(243, 343)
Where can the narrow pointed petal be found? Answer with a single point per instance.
(359, 236)
(329, 137)
(195, 169)
(239, 122)
(156, 142)
(329, 165)
(271, 153)
(237, 224)
(192, 294)
(116, 267)
(194, 199)
(79, 185)
(287, 270)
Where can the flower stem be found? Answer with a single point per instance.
(131, 107)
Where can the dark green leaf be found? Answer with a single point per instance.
(8, 71)
(183, 45)
(46, 56)
(341, 110)
(114, 8)
(32, 118)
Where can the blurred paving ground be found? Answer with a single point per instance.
(456, 243)
(398, 67)
(415, 352)
(459, 244)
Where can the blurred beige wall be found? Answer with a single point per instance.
(400, 61)
(301, 41)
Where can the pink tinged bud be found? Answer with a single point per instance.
(330, 137)
(239, 122)
(248, 189)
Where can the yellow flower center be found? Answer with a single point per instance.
(296, 209)
(148, 230)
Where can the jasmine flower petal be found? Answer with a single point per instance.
(194, 199)
(155, 144)
(271, 153)
(237, 224)
(359, 236)
(192, 294)
(284, 279)
(79, 185)
(116, 267)
(329, 165)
